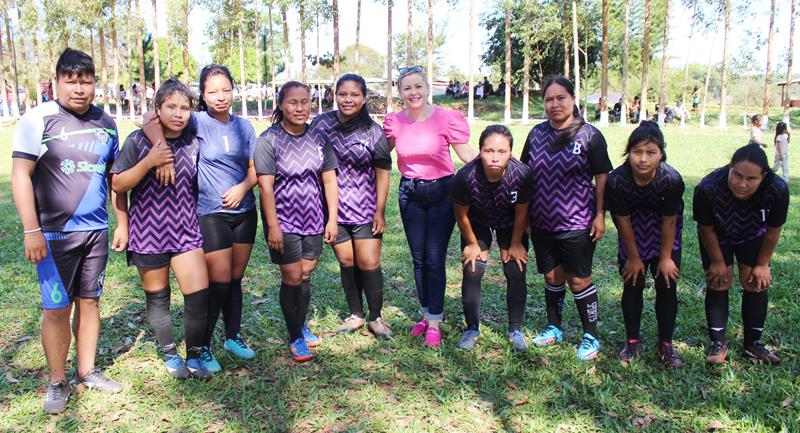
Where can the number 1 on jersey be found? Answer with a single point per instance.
(227, 146)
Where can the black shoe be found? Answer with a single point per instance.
(756, 350)
(668, 356)
(96, 380)
(631, 351)
(57, 396)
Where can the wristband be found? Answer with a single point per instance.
(27, 232)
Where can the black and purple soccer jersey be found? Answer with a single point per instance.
(72, 153)
(646, 206)
(736, 221)
(297, 162)
(359, 152)
(491, 204)
(563, 194)
(162, 219)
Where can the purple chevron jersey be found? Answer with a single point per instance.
(563, 194)
(646, 206)
(162, 219)
(736, 221)
(359, 152)
(73, 153)
(296, 161)
(491, 204)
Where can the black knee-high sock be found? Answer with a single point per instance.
(632, 304)
(351, 292)
(717, 313)
(305, 300)
(373, 289)
(666, 308)
(754, 314)
(471, 294)
(516, 294)
(195, 318)
(586, 300)
(289, 296)
(554, 302)
(219, 293)
(232, 310)
(160, 320)
(359, 273)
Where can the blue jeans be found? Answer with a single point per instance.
(428, 220)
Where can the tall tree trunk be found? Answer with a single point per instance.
(789, 56)
(507, 90)
(3, 94)
(12, 49)
(36, 68)
(768, 73)
(409, 33)
(28, 76)
(723, 103)
(389, 107)
(286, 49)
(604, 67)
(115, 56)
(319, 70)
(708, 79)
(576, 54)
(302, 10)
(103, 70)
(471, 72)
(662, 95)
(170, 63)
(272, 68)
(242, 77)
(688, 53)
(430, 51)
(623, 112)
(156, 54)
(336, 58)
(358, 35)
(565, 36)
(526, 72)
(259, 98)
(645, 63)
(140, 46)
(134, 35)
(185, 11)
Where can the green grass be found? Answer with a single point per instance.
(360, 384)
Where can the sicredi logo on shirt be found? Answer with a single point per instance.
(68, 166)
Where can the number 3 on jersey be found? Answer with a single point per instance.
(513, 197)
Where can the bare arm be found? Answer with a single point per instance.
(331, 186)
(634, 268)
(666, 266)
(516, 251)
(158, 155)
(22, 190)
(382, 192)
(465, 152)
(233, 197)
(761, 273)
(472, 251)
(715, 275)
(119, 204)
(599, 223)
(266, 182)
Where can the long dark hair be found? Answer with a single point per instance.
(496, 129)
(753, 153)
(647, 132)
(362, 120)
(565, 138)
(781, 128)
(277, 115)
(208, 72)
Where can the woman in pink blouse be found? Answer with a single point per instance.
(422, 135)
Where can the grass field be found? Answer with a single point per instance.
(360, 384)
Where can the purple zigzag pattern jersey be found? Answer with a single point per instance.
(162, 218)
(296, 161)
(358, 153)
(563, 194)
(492, 204)
(736, 221)
(646, 206)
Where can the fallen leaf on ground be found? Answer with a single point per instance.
(357, 381)
(787, 402)
(10, 378)
(715, 425)
(259, 301)
(521, 401)
(24, 339)
(703, 394)
(643, 421)
(272, 340)
(591, 370)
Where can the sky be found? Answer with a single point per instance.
(456, 49)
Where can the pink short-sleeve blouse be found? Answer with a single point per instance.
(423, 147)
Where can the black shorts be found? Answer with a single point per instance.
(355, 231)
(652, 263)
(484, 236)
(75, 266)
(151, 261)
(572, 250)
(296, 247)
(221, 230)
(746, 253)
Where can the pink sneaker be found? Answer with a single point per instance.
(433, 337)
(419, 328)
